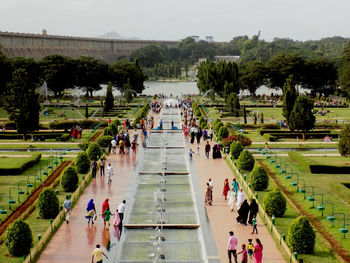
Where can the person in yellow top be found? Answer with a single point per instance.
(97, 254)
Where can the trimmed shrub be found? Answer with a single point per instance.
(217, 126)
(198, 113)
(104, 141)
(28, 162)
(82, 163)
(301, 237)
(94, 151)
(246, 161)
(270, 138)
(114, 126)
(19, 238)
(223, 132)
(84, 145)
(48, 204)
(275, 203)
(108, 131)
(64, 137)
(70, 179)
(235, 149)
(259, 180)
(344, 142)
(87, 123)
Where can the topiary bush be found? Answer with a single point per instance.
(223, 132)
(114, 125)
(82, 163)
(259, 180)
(275, 203)
(235, 149)
(84, 145)
(19, 239)
(70, 179)
(246, 161)
(217, 126)
(104, 141)
(108, 131)
(301, 236)
(64, 137)
(344, 141)
(48, 204)
(94, 151)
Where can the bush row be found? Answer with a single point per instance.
(86, 124)
(278, 135)
(272, 131)
(47, 135)
(141, 113)
(31, 161)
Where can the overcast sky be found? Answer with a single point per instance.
(176, 19)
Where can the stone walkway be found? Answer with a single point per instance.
(222, 220)
(76, 241)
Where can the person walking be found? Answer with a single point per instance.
(207, 149)
(93, 169)
(211, 133)
(226, 188)
(255, 225)
(244, 254)
(105, 205)
(258, 248)
(107, 216)
(102, 166)
(121, 210)
(98, 254)
(109, 173)
(231, 247)
(235, 186)
(114, 145)
(91, 211)
(67, 205)
(209, 195)
(253, 211)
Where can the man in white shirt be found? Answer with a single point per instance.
(114, 146)
(121, 210)
(109, 173)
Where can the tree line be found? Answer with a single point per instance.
(61, 73)
(320, 75)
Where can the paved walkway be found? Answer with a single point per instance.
(222, 220)
(75, 242)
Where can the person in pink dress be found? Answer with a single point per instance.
(258, 248)
(226, 188)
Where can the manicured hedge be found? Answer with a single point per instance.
(272, 131)
(270, 138)
(30, 161)
(141, 113)
(301, 237)
(47, 135)
(82, 123)
(311, 166)
(19, 238)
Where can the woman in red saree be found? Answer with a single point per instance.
(226, 188)
(105, 205)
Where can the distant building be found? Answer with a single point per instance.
(209, 39)
(226, 58)
(195, 38)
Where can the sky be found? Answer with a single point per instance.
(175, 20)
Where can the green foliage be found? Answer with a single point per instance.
(115, 123)
(128, 92)
(86, 124)
(94, 151)
(259, 180)
(289, 97)
(223, 132)
(70, 179)
(65, 137)
(302, 118)
(246, 161)
(344, 141)
(48, 204)
(21, 101)
(275, 203)
(217, 126)
(109, 100)
(198, 113)
(344, 74)
(141, 113)
(108, 131)
(235, 149)
(233, 103)
(105, 140)
(251, 76)
(29, 162)
(19, 239)
(84, 145)
(269, 137)
(301, 237)
(82, 163)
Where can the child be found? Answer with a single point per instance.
(107, 215)
(250, 249)
(191, 153)
(197, 152)
(244, 254)
(255, 225)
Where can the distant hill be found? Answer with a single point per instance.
(115, 35)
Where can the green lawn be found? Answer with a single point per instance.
(331, 186)
(12, 162)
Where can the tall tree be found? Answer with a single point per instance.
(251, 76)
(289, 97)
(90, 73)
(5, 72)
(59, 73)
(344, 141)
(22, 102)
(280, 67)
(344, 73)
(302, 118)
(109, 100)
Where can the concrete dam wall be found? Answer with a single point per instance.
(38, 46)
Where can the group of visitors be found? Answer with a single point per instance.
(122, 141)
(156, 106)
(76, 132)
(250, 250)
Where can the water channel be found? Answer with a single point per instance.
(162, 223)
